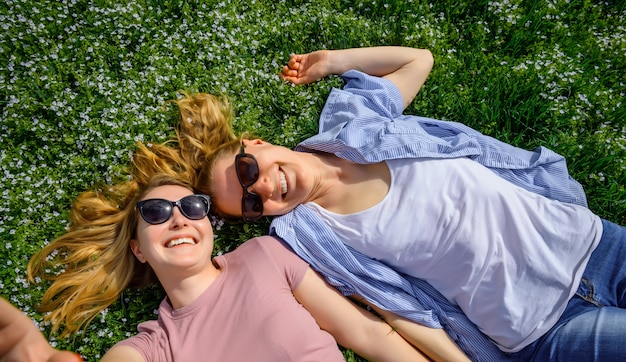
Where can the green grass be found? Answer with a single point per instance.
(81, 81)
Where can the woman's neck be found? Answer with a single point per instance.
(184, 288)
(346, 187)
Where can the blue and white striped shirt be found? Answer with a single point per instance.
(364, 123)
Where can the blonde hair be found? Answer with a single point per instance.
(91, 264)
(204, 135)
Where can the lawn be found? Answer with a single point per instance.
(82, 81)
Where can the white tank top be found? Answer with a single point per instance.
(509, 258)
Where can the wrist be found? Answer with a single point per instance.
(338, 62)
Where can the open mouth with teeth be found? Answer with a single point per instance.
(181, 241)
(283, 183)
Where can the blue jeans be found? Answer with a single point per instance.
(593, 326)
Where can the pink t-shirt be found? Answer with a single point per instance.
(248, 314)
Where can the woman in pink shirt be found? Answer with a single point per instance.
(244, 305)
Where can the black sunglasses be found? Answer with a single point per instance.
(247, 170)
(158, 211)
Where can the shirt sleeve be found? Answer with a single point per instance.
(377, 94)
(363, 97)
(355, 116)
(142, 342)
(363, 122)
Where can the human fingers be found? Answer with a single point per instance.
(293, 63)
(294, 59)
(288, 74)
(295, 79)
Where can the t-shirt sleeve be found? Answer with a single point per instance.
(284, 259)
(142, 342)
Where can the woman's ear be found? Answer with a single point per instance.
(136, 249)
(256, 141)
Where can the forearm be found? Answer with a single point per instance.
(379, 342)
(407, 68)
(15, 329)
(21, 340)
(351, 326)
(435, 343)
(378, 61)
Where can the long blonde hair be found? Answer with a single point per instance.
(204, 135)
(91, 264)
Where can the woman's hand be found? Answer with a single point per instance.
(306, 68)
(21, 341)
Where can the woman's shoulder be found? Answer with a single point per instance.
(267, 250)
(148, 342)
(266, 258)
(265, 244)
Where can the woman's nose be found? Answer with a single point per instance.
(178, 220)
(262, 187)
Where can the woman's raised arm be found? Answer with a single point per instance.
(406, 67)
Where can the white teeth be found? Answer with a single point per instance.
(175, 242)
(283, 183)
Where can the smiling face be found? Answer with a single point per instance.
(177, 247)
(284, 180)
